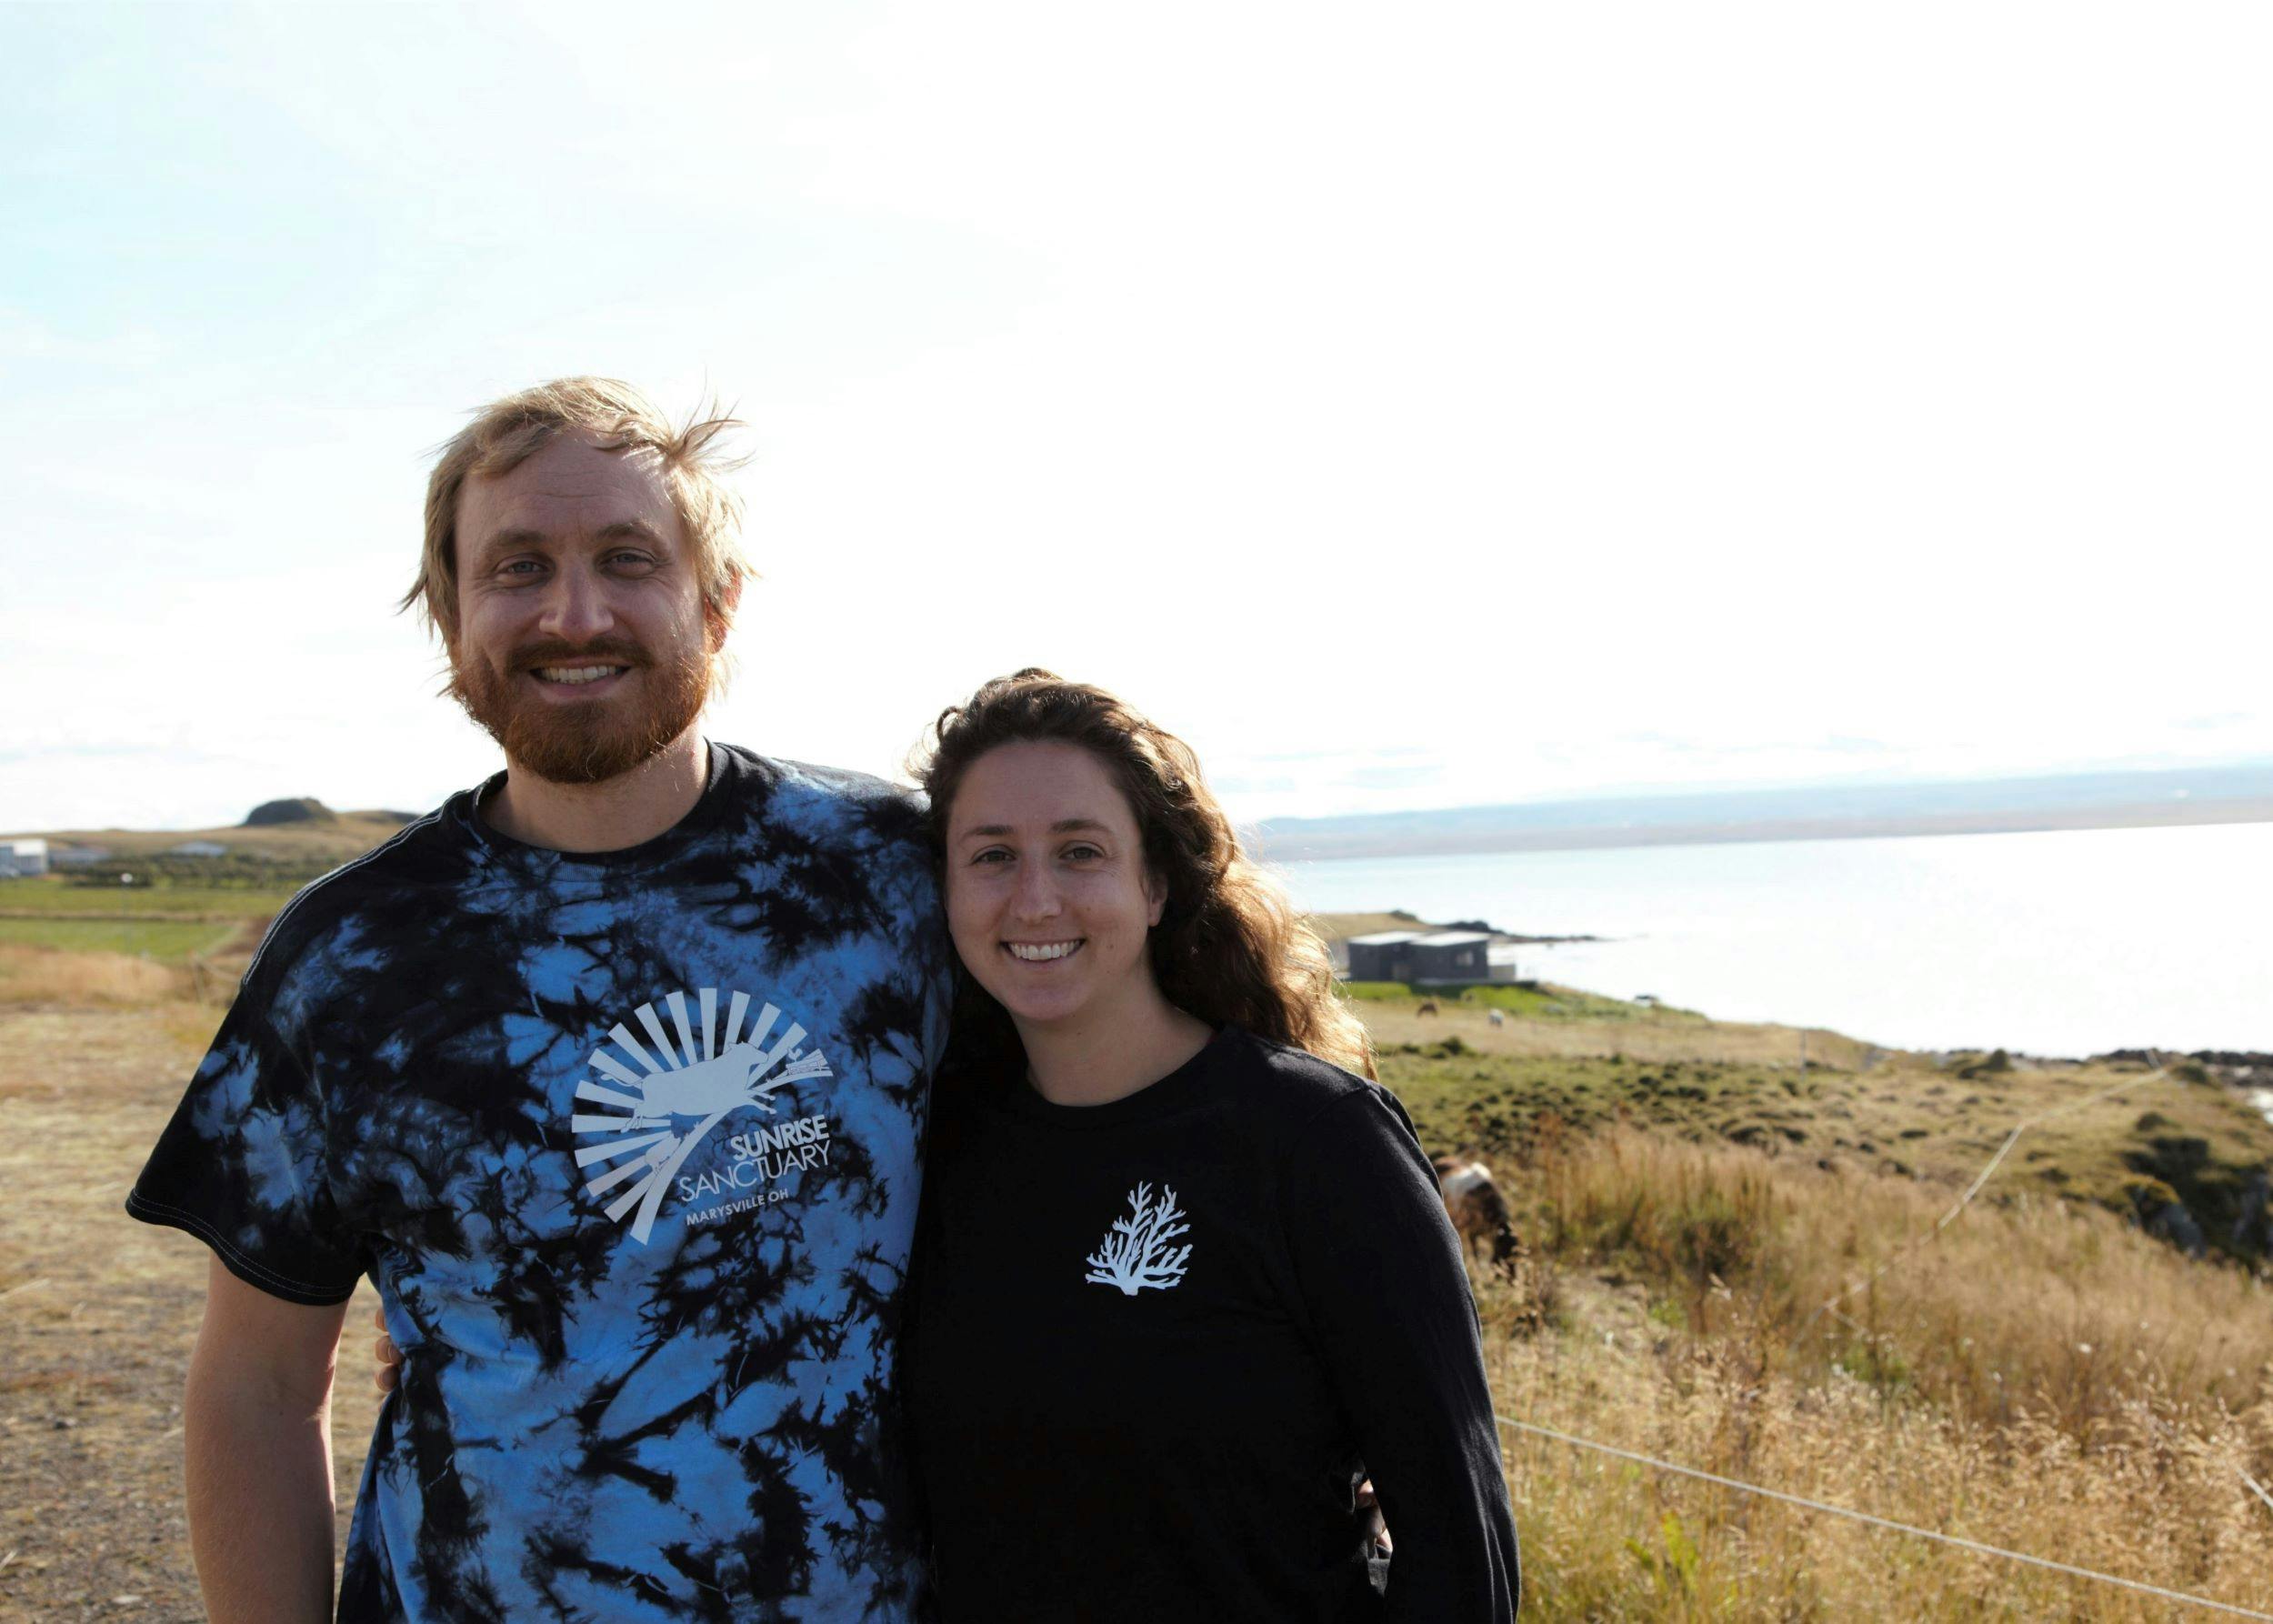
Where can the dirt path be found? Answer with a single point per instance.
(97, 1313)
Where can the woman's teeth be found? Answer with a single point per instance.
(1036, 952)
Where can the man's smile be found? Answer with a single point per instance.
(575, 676)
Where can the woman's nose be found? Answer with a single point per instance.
(1036, 895)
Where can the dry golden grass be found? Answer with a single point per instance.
(1604, 1539)
(2036, 1309)
(2039, 1377)
(57, 976)
(97, 1313)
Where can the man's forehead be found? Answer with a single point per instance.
(571, 487)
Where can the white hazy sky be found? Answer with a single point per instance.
(1413, 405)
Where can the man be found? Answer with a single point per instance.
(613, 1074)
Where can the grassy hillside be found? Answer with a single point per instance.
(2038, 1377)
(346, 834)
(1747, 1266)
(2110, 1136)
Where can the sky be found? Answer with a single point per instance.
(1415, 406)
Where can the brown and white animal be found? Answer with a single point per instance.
(1477, 1209)
(1496, 1018)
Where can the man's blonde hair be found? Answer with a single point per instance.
(506, 433)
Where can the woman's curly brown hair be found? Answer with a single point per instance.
(1229, 948)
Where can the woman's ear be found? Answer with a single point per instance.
(1156, 893)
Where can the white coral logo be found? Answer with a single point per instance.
(1135, 1254)
(703, 1076)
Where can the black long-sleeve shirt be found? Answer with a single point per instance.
(1158, 1341)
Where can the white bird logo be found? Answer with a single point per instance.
(705, 1075)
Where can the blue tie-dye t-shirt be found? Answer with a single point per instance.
(628, 1142)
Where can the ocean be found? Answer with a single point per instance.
(2067, 943)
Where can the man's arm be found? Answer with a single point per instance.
(257, 1433)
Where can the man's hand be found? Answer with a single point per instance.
(389, 1368)
(257, 1444)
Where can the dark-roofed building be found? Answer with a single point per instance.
(1419, 957)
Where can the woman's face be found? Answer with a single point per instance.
(1048, 897)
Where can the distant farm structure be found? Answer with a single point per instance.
(1425, 958)
(22, 858)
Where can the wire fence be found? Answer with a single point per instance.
(1848, 1513)
(1831, 1306)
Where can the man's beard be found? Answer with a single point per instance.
(589, 743)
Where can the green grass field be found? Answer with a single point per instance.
(1532, 1000)
(52, 894)
(167, 941)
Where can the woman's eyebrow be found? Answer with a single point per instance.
(1064, 826)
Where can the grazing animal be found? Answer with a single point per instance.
(1428, 1007)
(1496, 1018)
(1477, 1209)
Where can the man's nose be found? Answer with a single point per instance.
(576, 608)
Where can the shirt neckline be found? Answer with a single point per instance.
(703, 816)
(1187, 1084)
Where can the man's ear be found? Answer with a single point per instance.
(719, 617)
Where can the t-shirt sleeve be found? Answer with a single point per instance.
(245, 1167)
(933, 956)
(1379, 1269)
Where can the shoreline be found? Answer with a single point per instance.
(1328, 846)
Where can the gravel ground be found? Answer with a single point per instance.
(97, 1313)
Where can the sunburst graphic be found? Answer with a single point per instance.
(701, 1071)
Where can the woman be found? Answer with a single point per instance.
(1184, 1278)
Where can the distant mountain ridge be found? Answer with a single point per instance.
(2235, 793)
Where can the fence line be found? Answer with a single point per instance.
(1885, 1522)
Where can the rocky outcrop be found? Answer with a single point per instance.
(305, 808)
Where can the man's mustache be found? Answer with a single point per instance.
(603, 651)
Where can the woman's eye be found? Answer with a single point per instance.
(993, 854)
(1082, 853)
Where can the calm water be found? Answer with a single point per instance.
(2065, 943)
